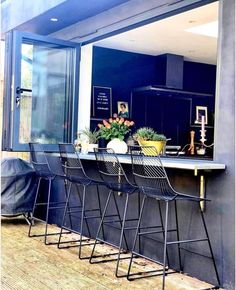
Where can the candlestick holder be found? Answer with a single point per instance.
(202, 149)
(203, 135)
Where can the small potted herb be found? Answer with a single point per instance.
(92, 137)
(147, 136)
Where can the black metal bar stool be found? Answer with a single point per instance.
(44, 173)
(76, 175)
(117, 182)
(152, 180)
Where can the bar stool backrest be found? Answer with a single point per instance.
(109, 166)
(149, 173)
(39, 160)
(71, 162)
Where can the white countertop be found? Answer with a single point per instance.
(170, 162)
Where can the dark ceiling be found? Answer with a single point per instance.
(68, 13)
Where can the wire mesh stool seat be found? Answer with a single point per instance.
(43, 172)
(116, 181)
(75, 174)
(152, 180)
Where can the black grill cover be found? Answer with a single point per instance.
(18, 186)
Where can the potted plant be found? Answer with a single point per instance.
(115, 130)
(92, 138)
(147, 136)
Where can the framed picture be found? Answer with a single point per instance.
(201, 111)
(123, 109)
(102, 102)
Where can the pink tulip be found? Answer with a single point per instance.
(105, 122)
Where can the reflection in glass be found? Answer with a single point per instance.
(45, 112)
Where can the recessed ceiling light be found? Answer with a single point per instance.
(208, 29)
(54, 19)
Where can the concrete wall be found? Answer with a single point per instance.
(224, 187)
(122, 16)
(16, 12)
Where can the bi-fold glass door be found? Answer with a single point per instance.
(41, 91)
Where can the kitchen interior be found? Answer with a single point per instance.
(165, 72)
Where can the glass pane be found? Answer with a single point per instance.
(26, 97)
(44, 112)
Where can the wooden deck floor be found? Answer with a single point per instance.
(28, 264)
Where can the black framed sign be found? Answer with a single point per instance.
(102, 102)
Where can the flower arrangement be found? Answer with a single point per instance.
(114, 128)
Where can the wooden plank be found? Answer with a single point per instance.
(28, 264)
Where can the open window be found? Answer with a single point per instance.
(163, 71)
(40, 91)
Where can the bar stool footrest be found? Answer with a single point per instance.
(141, 274)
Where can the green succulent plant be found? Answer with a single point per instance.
(148, 134)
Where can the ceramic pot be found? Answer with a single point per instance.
(159, 145)
(118, 146)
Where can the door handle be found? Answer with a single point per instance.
(21, 90)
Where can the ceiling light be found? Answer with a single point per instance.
(208, 29)
(54, 19)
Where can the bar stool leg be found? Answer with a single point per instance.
(136, 237)
(34, 206)
(82, 221)
(100, 225)
(100, 210)
(47, 212)
(178, 237)
(118, 212)
(139, 207)
(64, 215)
(122, 235)
(209, 244)
(81, 202)
(165, 245)
(68, 203)
(162, 227)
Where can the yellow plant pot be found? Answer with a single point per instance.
(159, 145)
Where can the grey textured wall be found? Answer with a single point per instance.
(223, 189)
(15, 12)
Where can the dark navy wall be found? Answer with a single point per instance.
(199, 77)
(123, 71)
